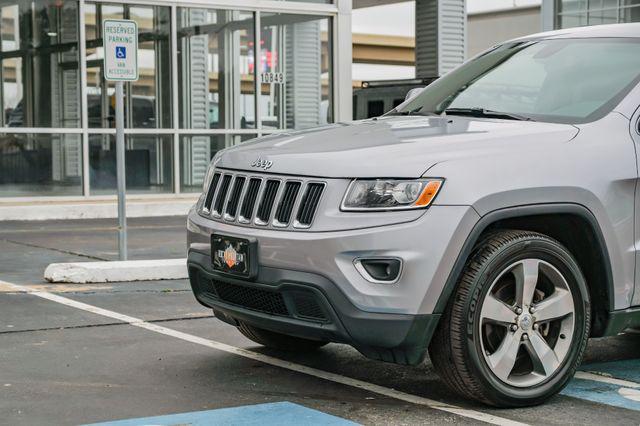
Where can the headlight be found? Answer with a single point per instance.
(390, 194)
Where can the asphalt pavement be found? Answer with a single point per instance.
(81, 354)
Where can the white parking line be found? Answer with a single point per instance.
(585, 375)
(336, 378)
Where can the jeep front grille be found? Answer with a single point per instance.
(234, 198)
(279, 202)
(249, 202)
(208, 201)
(221, 195)
(285, 206)
(309, 204)
(266, 203)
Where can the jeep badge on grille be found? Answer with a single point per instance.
(262, 164)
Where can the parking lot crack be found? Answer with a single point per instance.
(88, 256)
(108, 324)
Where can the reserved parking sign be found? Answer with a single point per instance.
(120, 49)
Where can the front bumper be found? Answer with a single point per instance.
(309, 306)
(307, 284)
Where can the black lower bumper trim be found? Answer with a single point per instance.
(310, 306)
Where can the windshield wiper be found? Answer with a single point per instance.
(482, 112)
(416, 111)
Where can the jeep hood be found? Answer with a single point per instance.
(390, 146)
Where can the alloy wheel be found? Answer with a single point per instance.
(527, 323)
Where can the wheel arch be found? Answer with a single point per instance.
(559, 221)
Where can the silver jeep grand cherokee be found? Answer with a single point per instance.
(493, 220)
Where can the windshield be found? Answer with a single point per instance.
(562, 81)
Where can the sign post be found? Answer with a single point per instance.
(120, 65)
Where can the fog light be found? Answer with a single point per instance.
(379, 270)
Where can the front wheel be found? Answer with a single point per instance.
(517, 325)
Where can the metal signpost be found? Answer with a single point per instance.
(120, 65)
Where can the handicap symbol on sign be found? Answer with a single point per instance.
(121, 52)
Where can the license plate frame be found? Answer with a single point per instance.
(234, 255)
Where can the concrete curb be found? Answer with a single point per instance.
(117, 271)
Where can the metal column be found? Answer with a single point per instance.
(441, 36)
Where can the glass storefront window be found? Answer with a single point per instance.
(215, 69)
(40, 165)
(148, 160)
(631, 13)
(215, 66)
(295, 71)
(39, 66)
(571, 5)
(148, 100)
(574, 13)
(603, 16)
(196, 151)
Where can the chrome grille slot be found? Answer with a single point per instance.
(309, 205)
(234, 198)
(221, 195)
(211, 192)
(287, 201)
(249, 202)
(262, 199)
(266, 204)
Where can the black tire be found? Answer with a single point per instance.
(279, 341)
(456, 349)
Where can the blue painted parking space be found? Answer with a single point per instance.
(625, 370)
(604, 393)
(277, 413)
(613, 394)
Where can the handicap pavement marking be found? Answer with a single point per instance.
(613, 383)
(276, 413)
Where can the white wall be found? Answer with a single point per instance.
(475, 6)
(392, 19)
(488, 29)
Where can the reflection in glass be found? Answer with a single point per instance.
(40, 165)
(295, 71)
(148, 161)
(39, 64)
(148, 100)
(215, 68)
(196, 151)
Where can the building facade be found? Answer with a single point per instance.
(213, 73)
(575, 13)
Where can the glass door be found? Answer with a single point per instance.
(295, 71)
(216, 82)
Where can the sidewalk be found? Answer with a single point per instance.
(96, 239)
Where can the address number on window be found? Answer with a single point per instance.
(272, 77)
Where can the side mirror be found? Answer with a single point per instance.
(413, 93)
